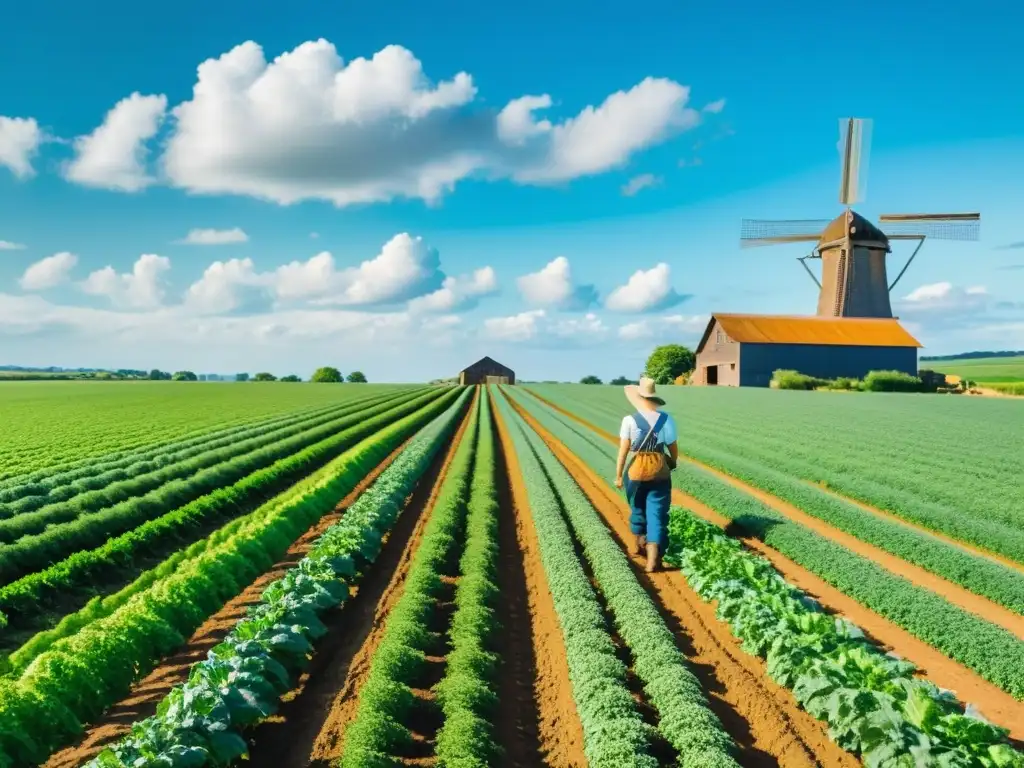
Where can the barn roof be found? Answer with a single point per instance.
(810, 329)
(486, 361)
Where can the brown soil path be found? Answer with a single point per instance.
(308, 727)
(996, 705)
(151, 690)
(953, 593)
(558, 726)
(761, 716)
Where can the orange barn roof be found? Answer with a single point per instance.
(797, 329)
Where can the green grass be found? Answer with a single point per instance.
(48, 423)
(1004, 370)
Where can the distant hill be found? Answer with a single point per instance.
(975, 355)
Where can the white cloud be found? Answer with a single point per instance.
(645, 291)
(7, 245)
(114, 155)
(215, 237)
(553, 287)
(308, 125)
(943, 297)
(49, 272)
(638, 183)
(663, 328)
(20, 138)
(224, 286)
(518, 328)
(715, 106)
(141, 288)
(589, 327)
(458, 293)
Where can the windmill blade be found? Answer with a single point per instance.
(937, 226)
(854, 150)
(758, 232)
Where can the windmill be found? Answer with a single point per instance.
(854, 281)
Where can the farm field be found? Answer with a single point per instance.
(376, 575)
(983, 369)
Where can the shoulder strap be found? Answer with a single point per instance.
(649, 440)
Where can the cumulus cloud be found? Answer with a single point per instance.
(520, 327)
(227, 286)
(20, 138)
(646, 291)
(638, 183)
(664, 328)
(537, 328)
(141, 288)
(7, 245)
(553, 287)
(944, 297)
(214, 237)
(114, 155)
(715, 106)
(308, 125)
(458, 293)
(49, 272)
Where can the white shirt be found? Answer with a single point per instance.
(630, 431)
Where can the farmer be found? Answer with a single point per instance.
(644, 435)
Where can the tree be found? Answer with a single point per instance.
(264, 377)
(327, 375)
(241, 377)
(290, 377)
(157, 375)
(668, 362)
(184, 376)
(621, 381)
(356, 377)
(590, 380)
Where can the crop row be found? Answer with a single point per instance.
(379, 731)
(873, 704)
(685, 720)
(17, 498)
(467, 693)
(203, 720)
(44, 423)
(975, 573)
(991, 651)
(32, 514)
(22, 600)
(74, 681)
(30, 553)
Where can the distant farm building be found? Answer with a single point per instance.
(487, 371)
(745, 350)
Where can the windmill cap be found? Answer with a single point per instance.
(860, 230)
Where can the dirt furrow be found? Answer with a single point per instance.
(761, 716)
(517, 726)
(558, 728)
(997, 705)
(953, 593)
(309, 727)
(150, 691)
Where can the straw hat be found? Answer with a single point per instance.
(645, 390)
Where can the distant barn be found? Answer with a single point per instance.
(745, 350)
(487, 371)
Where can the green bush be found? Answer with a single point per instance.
(783, 379)
(845, 383)
(891, 381)
(1010, 388)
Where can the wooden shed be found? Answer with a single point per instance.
(745, 350)
(487, 371)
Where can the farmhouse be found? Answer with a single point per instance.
(487, 371)
(745, 350)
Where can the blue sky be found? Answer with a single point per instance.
(457, 180)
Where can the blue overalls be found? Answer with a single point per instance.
(648, 501)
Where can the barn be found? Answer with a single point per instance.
(487, 371)
(745, 350)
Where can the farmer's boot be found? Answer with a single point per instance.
(641, 545)
(653, 558)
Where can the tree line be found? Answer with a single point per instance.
(323, 375)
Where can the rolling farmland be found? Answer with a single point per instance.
(376, 575)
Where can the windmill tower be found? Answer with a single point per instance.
(854, 280)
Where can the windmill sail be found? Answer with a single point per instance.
(938, 226)
(854, 149)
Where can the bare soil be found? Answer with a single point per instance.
(762, 718)
(559, 731)
(996, 705)
(151, 690)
